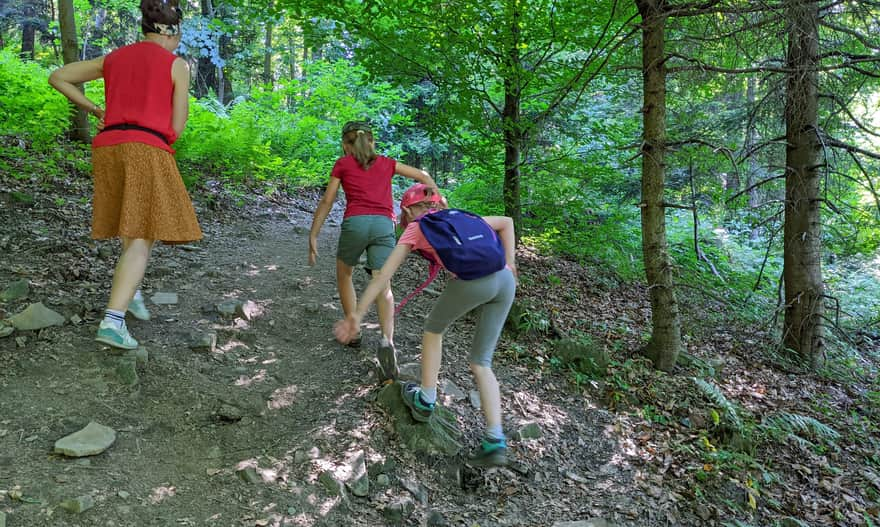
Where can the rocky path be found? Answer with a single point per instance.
(261, 418)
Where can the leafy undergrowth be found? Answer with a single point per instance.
(734, 430)
(733, 436)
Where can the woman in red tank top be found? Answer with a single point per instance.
(139, 195)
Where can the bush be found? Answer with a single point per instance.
(29, 107)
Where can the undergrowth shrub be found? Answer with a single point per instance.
(29, 107)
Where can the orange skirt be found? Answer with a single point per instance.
(139, 194)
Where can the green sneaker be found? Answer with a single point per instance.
(109, 334)
(420, 412)
(489, 454)
(138, 308)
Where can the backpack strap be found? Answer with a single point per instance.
(433, 270)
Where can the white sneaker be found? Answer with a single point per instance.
(138, 308)
(120, 338)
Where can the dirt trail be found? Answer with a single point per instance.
(277, 395)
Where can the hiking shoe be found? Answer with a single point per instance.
(420, 412)
(138, 309)
(388, 360)
(489, 454)
(109, 334)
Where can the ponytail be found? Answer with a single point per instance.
(362, 146)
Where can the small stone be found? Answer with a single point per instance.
(91, 440)
(21, 341)
(529, 431)
(247, 310)
(15, 290)
(229, 413)
(399, 511)
(249, 475)
(214, 452)
(383, 480)
(78, 505)
(450, 389)
(330, 483)
(126, 370)
(75, 319)
(2, 519)
(436, 519)
(203, 342)
(5, 331)
(474, 397)
(164, 298)
(123, 494)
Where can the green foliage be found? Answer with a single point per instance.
(290, 135)
(29, 107)
(800, 428)
(714, 394)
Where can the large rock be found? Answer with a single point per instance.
(359, 480)
(90, 441)
(36, 316)
(440, 435)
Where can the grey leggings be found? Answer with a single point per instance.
(491, 296)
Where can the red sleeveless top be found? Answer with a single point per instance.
(138, 90)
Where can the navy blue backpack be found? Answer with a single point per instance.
(465, 244)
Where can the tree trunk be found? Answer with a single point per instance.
(512, 127)
(79, 121)
(28, 32)
(665, 343)
(206, 72)
(802, 272)
(751, 140)
(268, 78)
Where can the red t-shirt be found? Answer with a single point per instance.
(366, 191)
(138, 90)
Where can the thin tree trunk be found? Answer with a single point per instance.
(750, 140)
(512, 127)
(79, 122)
(665, 343)
(28, 33)
(804, 290)
(268, 78)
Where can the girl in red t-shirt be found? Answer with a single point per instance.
(138, 193)
(367, 225)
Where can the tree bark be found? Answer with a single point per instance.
(79, 119)
(804, 291)
(206, 72)
(268, 77)
(665, 343)
(511, 116)
(28, 32)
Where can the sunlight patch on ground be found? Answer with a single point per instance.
(159, 494)
(259, 376)
(282, 397)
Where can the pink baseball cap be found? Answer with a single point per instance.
(419, 193)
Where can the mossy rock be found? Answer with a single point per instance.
(440, 435)
(583, 354)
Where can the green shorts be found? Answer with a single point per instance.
(371, 233)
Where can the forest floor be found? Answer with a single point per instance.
(250, 432)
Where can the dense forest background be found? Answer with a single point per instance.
(719, 151)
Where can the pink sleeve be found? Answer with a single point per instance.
(413, 237)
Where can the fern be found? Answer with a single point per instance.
(797, 426)
(713, 392)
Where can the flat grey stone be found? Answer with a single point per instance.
(452, 390)
(359, 482)
(78, 505)
(90, 441)
(474, 397)
(5, 331)
(36, 316)
(2, 519)
(596, 522)
(167, 299)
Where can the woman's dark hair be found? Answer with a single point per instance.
(165, 12)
